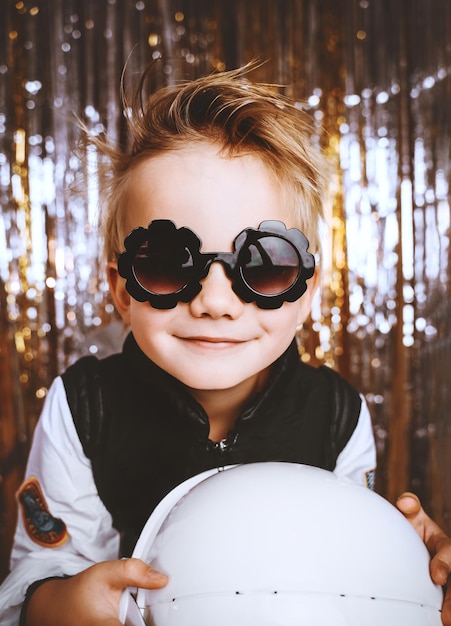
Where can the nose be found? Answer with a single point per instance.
(216, 298)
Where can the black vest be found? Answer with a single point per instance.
(145, 434)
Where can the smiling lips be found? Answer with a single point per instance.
(212, 340)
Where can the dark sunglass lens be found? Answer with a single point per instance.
(272, 266)
(162, 270)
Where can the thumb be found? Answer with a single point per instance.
(135, 573)
(430, 532)
(409, 504)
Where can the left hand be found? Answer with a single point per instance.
(91, 597)
(436, 541)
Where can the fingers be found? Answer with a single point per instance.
(440, 570)
(92, 596)
(436, 541)
(430, 532)
(136, 573)
(140, 574)
(446, 609)
(409, 504)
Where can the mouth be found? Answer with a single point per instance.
(213, 341)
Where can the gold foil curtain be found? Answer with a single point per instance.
(374, 75)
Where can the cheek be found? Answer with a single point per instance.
(146, 323)
(282, 323)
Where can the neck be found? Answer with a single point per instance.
(224, 406)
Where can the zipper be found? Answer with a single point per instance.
(222, 448)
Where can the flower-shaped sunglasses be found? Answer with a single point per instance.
(163, 265)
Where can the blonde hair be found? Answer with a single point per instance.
(226, 109)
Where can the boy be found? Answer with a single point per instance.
(213, 278)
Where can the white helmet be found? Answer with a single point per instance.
(281, 544)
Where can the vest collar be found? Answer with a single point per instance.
(181, 402)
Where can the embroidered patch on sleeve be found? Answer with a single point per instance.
(41, 526)
(370, 478)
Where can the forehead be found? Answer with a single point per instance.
(215, 194)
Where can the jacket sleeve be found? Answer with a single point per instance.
(357, 460)
(60, 481)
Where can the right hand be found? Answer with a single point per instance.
(91, 597)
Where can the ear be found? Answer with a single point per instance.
(305, 303)
(121, 297)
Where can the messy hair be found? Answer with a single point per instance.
(227, 109)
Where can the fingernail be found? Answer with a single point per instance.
(156, 575)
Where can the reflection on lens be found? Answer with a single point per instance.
(162, 270)
(272, 266)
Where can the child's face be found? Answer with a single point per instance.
(216, 341)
